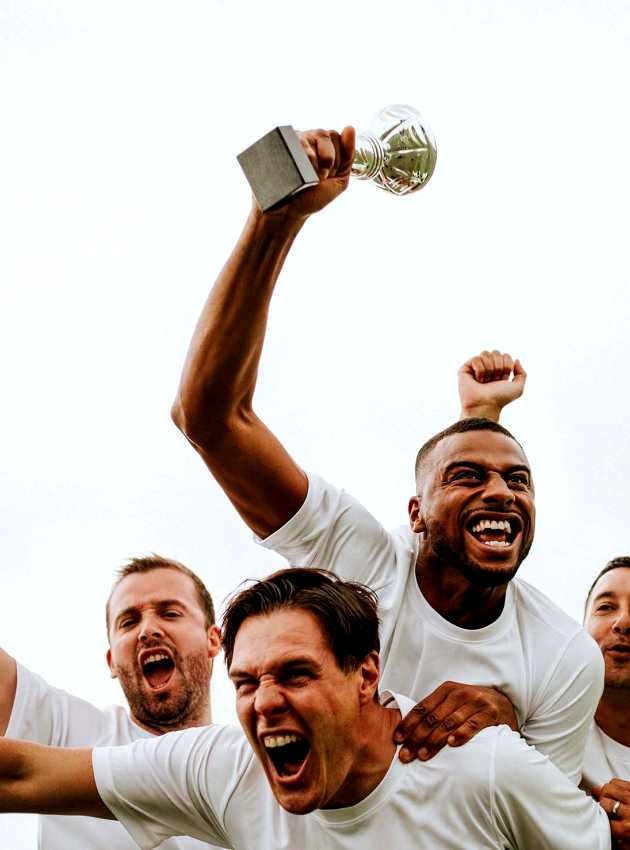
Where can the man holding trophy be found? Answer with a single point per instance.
(449, 603)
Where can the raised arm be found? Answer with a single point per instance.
(48, 780)
(213, 407)
(485, 387)
(8, 683)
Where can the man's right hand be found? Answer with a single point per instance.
(485, 387)
(330, 154)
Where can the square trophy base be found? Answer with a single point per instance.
(277, 167)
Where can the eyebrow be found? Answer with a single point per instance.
(470, 464)
(283, 667)
(160, 605)
(605, 594)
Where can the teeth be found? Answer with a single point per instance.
(497, 543)
(159, 656)
(279, 740)
(495, 525)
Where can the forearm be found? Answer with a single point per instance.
(8, 683)
(48, 780)
(220, 371)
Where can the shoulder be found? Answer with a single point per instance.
(536, 606)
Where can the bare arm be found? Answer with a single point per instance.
(213, 407)
(8, 684)
(48, 780)
(485, 387)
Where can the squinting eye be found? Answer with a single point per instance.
(466, 474)
(523, 480)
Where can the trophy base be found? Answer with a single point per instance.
(277, 168)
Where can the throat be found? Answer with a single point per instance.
(456, 599)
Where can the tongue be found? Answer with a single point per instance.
(490, 534)
(158, 673)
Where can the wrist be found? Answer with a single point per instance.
(481, 411)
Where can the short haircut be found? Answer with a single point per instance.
(157, 562)
(461, 427)
(347, 611)
(614, 564)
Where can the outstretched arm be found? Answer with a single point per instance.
(485, 387)
(8, 682)
(48, 780)
(213, 407)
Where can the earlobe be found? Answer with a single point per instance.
(110, 664)
(416, 522)
(214, 642)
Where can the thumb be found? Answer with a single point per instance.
(347, 139)
(520, 375)
(596, 792)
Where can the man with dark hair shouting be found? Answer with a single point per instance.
(317, 767)
(162, 642)
(450, 605)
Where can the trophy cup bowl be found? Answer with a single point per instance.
(397, 152)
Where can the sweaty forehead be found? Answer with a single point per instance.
(486, 448)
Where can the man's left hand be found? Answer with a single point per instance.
(452, 714)
(614, 798)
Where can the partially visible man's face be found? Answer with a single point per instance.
(608, 623)
(476, 505)
(161, 649)
(298, 709)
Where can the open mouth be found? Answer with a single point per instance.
(287, 753)
(157, 667)
(494, 532)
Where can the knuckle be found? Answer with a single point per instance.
(431, 719)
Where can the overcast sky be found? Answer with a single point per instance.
(120, 198)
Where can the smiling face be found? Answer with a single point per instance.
(161, 649)
(298, 708)
(476, 506)
(608, 623)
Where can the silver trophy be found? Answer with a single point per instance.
(397, 153)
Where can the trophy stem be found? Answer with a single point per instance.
(369, 157)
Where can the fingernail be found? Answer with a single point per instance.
(405, 754)
(450, 740)
(423, 754)
(398, 737)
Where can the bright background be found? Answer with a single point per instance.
(121, 197)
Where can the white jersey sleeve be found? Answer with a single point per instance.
(178, 784)
(563, 710)
(333, 531)
(537, 806)
(51, 716)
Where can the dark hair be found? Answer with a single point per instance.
(157, 562)
(461, 427)
(347, 611)
(614, 564)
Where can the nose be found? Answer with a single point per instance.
(269, 699)
(497, 491)
(150, 628)
(622, 622)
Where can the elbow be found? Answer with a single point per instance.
(205, 425)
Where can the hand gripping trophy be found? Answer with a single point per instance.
(397, 153)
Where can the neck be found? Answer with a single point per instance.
(375, 750)
(613, 714)
(455, 597)
(201, 717)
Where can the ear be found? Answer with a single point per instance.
(416, 521)
(110, 664)
(370, 674)
(214, 642)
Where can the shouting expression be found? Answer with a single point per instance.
(161, 649)
(298, 708)
(475, 506)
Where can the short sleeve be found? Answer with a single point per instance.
(47, 715)
(177, 784)
(535, 805)
(333, 531)
(559, 723)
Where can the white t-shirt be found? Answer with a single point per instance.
(50, 716)
(540, 658)
(604, 759)
(494, 792)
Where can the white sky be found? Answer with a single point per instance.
(121, 197)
